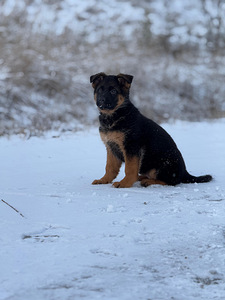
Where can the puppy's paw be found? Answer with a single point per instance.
(100, 181)
(116, 184)
(122, 184)
(145, 182)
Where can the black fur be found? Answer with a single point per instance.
(143, 138)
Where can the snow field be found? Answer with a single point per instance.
(96, 242)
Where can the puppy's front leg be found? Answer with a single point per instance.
(131, 173)
(113, 165)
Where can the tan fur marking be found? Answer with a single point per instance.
(105, 111)
(127, 85)
(111, 111)
(120, 100)
(131, 163)
(152, 174)
(141, 177)
(150, 178)
(131, 173)
(112, 169)
(146, 182)
(113, 136)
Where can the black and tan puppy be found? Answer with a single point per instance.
(149, 152)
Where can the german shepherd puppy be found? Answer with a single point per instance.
(150, 154)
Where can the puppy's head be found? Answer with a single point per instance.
(110, 91)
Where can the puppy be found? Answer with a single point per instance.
(150, 154)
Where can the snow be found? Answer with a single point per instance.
(77, 240)
(79, 16)
(185, 20)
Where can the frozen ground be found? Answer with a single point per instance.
(78, 241)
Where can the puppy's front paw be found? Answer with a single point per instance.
(122, 184)
(96, 181)
(100, 181)
(116, 184)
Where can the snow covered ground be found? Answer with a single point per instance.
(79, 241)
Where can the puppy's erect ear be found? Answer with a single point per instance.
(127, 78)
(95, 79)
(125, 81)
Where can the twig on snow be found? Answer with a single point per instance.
(13, 208)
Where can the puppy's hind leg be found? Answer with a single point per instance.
(146, 182)
(150, 179)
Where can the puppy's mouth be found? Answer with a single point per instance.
(106, 106)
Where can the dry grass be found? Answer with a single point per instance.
(44, 83)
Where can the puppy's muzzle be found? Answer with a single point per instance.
(104, 101)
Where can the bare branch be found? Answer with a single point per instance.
(13, 208)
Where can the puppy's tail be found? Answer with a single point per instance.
(196, 179)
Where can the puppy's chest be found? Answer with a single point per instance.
(115, 141)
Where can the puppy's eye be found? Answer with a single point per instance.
(113, 91)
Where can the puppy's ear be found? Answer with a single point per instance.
(125, 81)
(96, 79)
(127, 78)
